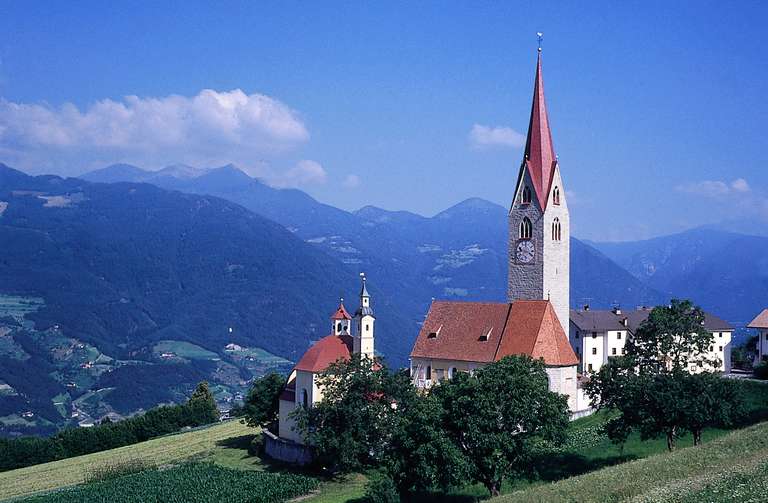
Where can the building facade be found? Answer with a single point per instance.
(597, 335)
(760, 324)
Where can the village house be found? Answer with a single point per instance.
(760, 323)
(597, 335)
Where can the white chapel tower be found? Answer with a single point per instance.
(539, 230)
(362, 341)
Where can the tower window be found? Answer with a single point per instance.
(527, 195)
(556, 229)
(526, 229)
(556, 195)
(429, 372)
(304, 399)
(594, 351)
(367, 327)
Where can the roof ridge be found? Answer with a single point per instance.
(503, 331)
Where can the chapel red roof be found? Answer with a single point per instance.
(540, 157)
(484, 332)
(760, 321)
(341, 313)
(324, 352)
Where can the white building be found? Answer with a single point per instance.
(760, 323)
(597, 335)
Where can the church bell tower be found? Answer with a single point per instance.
(539, 223)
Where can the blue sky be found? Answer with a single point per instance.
(657, 108)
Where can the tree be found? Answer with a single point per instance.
(670, 339)
(202, 405)
(496, 416)
(262, 404)
(351, 426)
(422, 456)
(710, 400)
(652, 388)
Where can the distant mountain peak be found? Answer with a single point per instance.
(471, 205)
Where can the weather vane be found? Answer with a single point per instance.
(539, 36)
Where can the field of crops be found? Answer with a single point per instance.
(191, 483)
(202, 443)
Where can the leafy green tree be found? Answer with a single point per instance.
(262, 404)
(202, 405)
(422, 456)
(351, 426)
(651, 387)
(498, 415)
(709, 400)
(670, 339)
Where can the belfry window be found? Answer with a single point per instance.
(556, 195)
(527, 195)
(556, 229)
(526, 229)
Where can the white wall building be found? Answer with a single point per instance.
(760, 323)
(597, 335)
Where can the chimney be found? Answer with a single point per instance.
(616, 310)
(586, 307)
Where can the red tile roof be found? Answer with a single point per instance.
(324, 352)
(539, 151)
(760, 321)
(341, 313)
(527, 327)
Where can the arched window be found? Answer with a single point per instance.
(556, 229)
(527, 195)
(556, 195)
(304, 399)
(526, 229)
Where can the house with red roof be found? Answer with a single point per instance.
(464, 336)
(349, 335)
(760, 323)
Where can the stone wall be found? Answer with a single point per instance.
(285, 450)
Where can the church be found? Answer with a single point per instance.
(348, 335)
(463, 336)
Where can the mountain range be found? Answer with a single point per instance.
(120, 289)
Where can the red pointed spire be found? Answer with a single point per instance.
(539, 152)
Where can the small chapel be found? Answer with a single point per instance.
(349, 335)
(463, 336)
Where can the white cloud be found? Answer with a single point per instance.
(485, 137)
(740, 185)
(351, 181)
(715, 188)
(304, 173)
(207, 129)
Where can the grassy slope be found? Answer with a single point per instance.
(199, 443)
(685, 475)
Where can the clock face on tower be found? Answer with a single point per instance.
(524, 252)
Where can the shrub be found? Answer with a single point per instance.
(256, 447)
(381, 489)
(761, 371)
